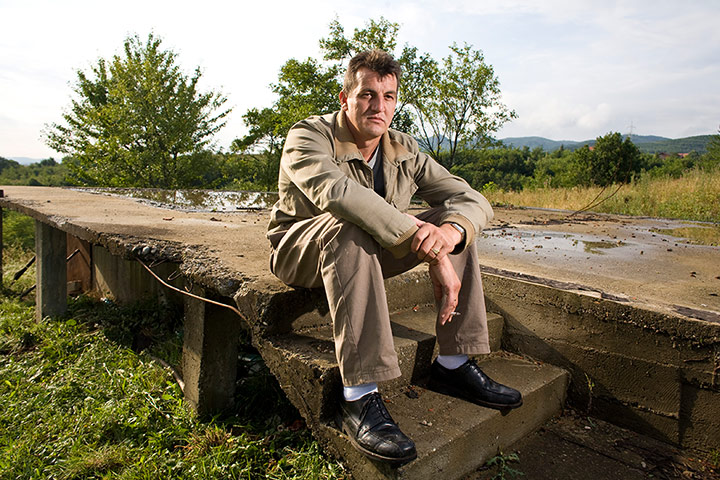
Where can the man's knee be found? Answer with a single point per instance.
(350, 236)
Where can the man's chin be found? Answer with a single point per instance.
(376, 129)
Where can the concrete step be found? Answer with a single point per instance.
(285, 309)
(310, 353)
(454, 437)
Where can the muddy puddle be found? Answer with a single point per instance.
(194, 200)
(556, 243)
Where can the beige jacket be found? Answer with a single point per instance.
(321, 170)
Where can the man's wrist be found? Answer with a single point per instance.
(456, 232)
(460, 230)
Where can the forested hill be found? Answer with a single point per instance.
(646, 143)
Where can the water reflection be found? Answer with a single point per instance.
(549, 242)
(195, 200)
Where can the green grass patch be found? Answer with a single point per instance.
(80, 400)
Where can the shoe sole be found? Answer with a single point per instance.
(392, 461)
(453, 392)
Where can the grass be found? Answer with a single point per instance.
(694, 196)
(77, 402)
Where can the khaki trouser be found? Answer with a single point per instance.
(329, 252)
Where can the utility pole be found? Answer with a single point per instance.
(632, 128)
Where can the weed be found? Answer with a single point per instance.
(501, 462)
(714, 458)
(590, 387)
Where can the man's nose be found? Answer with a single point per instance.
(377, 104)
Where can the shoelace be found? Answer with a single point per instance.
(380, 405)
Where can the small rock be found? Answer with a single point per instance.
(426, 423)
(145, 250)
(411, 393)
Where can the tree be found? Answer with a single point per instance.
(448, 106)
(137, 120)
(304, 88)
(459, 104)
(612, 160)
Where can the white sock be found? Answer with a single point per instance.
(358, 391)
(451, 362)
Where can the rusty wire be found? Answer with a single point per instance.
(192, 295)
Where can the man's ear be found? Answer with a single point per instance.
(343, 100)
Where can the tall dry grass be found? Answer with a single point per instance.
(695, 196)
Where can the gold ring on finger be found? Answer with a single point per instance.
(435, 251)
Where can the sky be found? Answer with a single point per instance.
(570, 69)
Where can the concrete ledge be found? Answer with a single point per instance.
(649, 370)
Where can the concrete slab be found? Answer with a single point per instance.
(643, 266)
(613, 254)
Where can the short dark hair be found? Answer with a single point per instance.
(377, 61)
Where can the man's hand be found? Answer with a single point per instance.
(432, 243)
(446, 288)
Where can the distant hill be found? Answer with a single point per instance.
(646, 143)
(697, 143)
(26, 160)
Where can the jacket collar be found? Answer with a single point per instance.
(346, 149)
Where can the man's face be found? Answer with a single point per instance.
(370, 106)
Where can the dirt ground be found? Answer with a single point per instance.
(574, 446)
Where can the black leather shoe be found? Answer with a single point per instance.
(470, 383)
(373, 431)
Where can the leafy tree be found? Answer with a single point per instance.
(558, 169)
(612, 160)
(137, 120)
(304, 88)
(459, 103)
(381, 34)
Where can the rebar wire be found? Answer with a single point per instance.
(192, 295)
(593, 203)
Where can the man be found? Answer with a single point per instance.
(345, 182)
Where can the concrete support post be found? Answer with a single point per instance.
(51, 267)
(210, 355)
